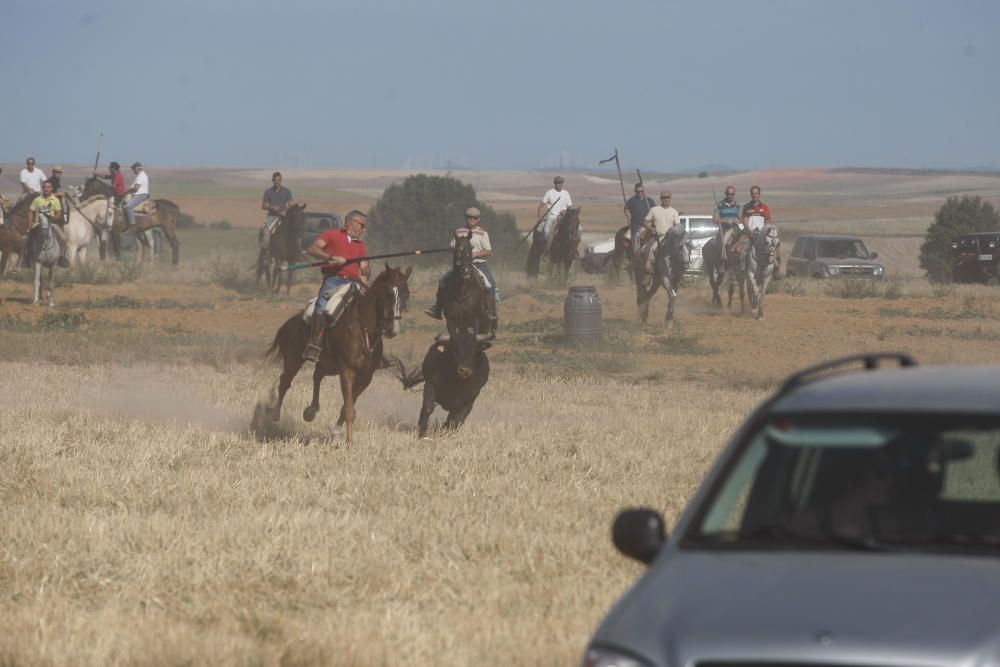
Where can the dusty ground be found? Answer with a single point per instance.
(144, 522)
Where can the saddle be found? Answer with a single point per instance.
(738, 245)
(147, 207)
(336, 305)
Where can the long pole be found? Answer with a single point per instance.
(532, 230)
(98, 158)
(621, 181)
(355, 260)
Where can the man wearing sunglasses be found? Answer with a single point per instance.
(336, 247)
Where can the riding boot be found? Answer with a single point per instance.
(315, 345)
(436, 311)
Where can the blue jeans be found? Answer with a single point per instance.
(132, 204)
(330, 285)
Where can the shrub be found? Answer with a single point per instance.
(959, 215)
(223, 225)
(855, 288)
(424, 212)
(130, 269)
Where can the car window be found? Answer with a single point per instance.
(901, 481)
(799, 248)
(701, 229)
(842, 248)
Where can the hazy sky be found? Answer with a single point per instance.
(505, 84)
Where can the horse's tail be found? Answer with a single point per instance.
(292, 326)
(409, 380)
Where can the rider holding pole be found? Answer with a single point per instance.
(336, 247)
(481, 250)
(553, 203)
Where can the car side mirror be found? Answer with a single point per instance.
(873, 255)
(639, 534)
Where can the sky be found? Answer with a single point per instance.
(503, 85)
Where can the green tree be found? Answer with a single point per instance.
(424, 212)
(959, 215)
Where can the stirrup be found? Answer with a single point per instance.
(312, 352)
(434, 312)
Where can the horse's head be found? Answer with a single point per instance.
(766, 245)
(295, 220)
(396, 294)
(94, 186)
(679, 247)
(462, 256)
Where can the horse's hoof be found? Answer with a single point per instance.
(309, 413)
(274, 414)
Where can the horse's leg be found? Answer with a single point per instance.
(170, 231)
(291, 363)
(38, 283)
(347, 413)
(289, 276)
(669, 289)
(310, 412)
(49, 282)
(426, 408)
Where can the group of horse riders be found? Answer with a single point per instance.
(742, 222)
(50, 203)
(344, 268)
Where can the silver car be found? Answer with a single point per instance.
(854, 519)
(700, 228)
(832, 256)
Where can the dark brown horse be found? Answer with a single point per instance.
(284, 247)
(352, 349)
(166, 217)
(565, 244)
(14, 233)
(621, 256)
(463, 298)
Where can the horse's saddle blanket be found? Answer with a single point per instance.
(335, 305)
(483, 280)
(147, 207)
(740, 246)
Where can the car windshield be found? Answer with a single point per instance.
(702, 229)
(841, 248)
(892, 482)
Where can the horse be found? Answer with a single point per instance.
(86, 220)
(621, 256)
(673, 255)
(463, 301)
(735, 270)
(14, 233)
(166, 216)
(352, 348)
(713, 266)
(284, 246)
(761, 265)
(564, 244)
(43, 249)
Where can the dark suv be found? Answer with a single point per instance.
(829, 256)
(977, 258)
(318, 222)
(853, 519)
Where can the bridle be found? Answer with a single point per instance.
(463, 256)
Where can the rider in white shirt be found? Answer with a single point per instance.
(139, 192)
(31, 179)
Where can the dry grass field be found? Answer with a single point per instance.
(146, 519)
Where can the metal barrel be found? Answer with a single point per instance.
(582, 315)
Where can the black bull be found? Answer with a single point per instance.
(454, 371)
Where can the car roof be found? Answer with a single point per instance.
(917, 389)
(321, 214)
(961, 236)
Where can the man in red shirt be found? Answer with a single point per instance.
(335, 247)
(756, 214)
(118, 183)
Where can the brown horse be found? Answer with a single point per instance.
(14, 232)
(352, 349)
(621, 256)
(284, 246)
(166, 216)
(564, 247)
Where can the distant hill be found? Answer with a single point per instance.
(899, 171)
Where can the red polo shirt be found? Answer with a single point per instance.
(339, 243)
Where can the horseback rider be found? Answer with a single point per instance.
(658, 222)
(55, 178)
(727, 217)
(335, 247)
(139, 191)
(31, 179)
(276, 201)
(481, 250)
(553, 203)
(118, 184)
(636, 209)
(756, 214)
(47, 205)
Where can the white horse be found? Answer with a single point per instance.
(43, 249)
(760, 267)
(87, 220)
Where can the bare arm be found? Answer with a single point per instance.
(482, 254)
(318, 250)
(366, 272)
